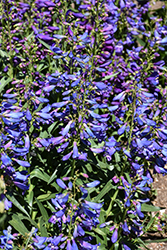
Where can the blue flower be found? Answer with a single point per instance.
(114, 237)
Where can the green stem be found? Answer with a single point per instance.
(73, 200)
(132, 121)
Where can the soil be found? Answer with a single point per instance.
(160, 186)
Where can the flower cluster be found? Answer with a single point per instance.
(83, 89)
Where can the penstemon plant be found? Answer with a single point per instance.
(82, 121)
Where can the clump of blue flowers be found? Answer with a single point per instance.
(74, 215)
(83, 92)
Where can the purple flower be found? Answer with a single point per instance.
(80, 230)
(122, 129)
(66, 157)
(38, 241)
(138, 210)
(74, 245)
(44, 37)
(163, 41)
(61, 184)
(126, 247)
(5, 159)
(94, 205)
(92, 184)
(75, 150)
(69, 247)
(114, 237)
(22, 163)
(125, 228)
(57, 240)
(28, 115)
(66, 129)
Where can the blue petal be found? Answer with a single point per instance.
(92, 184)
(114, 236)
(61, 184)
(94, 205)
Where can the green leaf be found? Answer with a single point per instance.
(153, 241)
(3, 53)
(4, 82)
(51, 207)
(43, 229)
(142, 243)
(44, 44)
(117, 157)
(110, 76)
(45, 197)
(141, 42)
(103, 165)
(2, 219)
(111, 202)
(104, 191)
(128, 178)
(30, 35)
(54, 175)
(18, 225)
(149, 224)
(44, 134)
(149, 208)
(30, 197)
(98, 79)
(42, 210)
(43, 176)
(39, 174)
(52, 127)
(102, 247)
(33, 223)
(116, 245)
(17, 204)
(99, 231)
